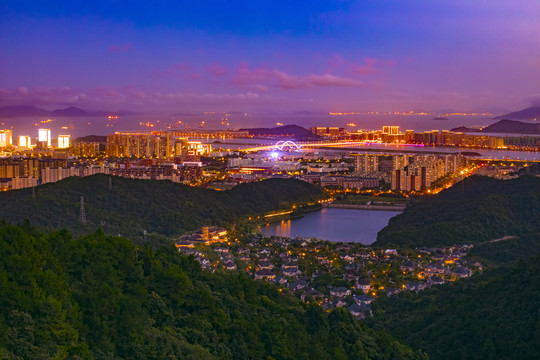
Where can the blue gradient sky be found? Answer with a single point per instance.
(261, 56)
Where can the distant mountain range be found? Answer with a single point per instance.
(505, 126)
(293, 131)
(71, 111)
(530, 113)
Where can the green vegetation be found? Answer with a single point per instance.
(478, 209)
(161, 207)
(493, 254)
(493, 315)
(100, 297)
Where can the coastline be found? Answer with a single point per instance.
(367, 207)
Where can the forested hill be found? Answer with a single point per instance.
(475, 210)
(493, 315)
(99, 297)
(160, 207)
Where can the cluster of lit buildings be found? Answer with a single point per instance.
(171, 155)
(153, 144)
(409, 172)
(392, 135)
(44, 140)
(18, 173)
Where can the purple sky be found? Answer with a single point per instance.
(264, 56)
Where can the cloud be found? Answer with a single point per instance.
(332, 80)
(133, 98)
(120, 49)
(262, 79)
(179, 69)
(216, 69)
(248, 79)
(286, 81)
(368, 68)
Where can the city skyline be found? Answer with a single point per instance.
(265, 57)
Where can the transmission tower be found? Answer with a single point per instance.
(82, 216)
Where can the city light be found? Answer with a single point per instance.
(63, 141)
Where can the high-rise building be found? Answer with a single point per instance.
(327, 131)
(85, 149)
(149, 144)
(390, 130)
(5, 138)
(400, 161)
(44, 137)
(25, 141)
(63, 141)
(367, 164)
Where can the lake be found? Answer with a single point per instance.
(345, 225)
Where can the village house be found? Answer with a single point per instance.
(364, 285)
(298, 285)
(363, 299)
(334, 304)
(461, 272)
(358, 311)
(340, 292)
(264, 274)
(265, 265)
(435, 280)
(408, 265)
(230, 265)
(293, 271)
(313, 294)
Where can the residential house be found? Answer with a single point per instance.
(340, 292)
(364, 285)
(363, 299)
(264, 274)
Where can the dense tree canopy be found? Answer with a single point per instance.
(493, 315)
(475, 210)
(101, 297)
(160, 207)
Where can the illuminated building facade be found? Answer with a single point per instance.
(44, 137)
(415, 173)
(367, 164)
(153, 144)
(391, 130)
(25, 141)
(149, 144)
(63, 141)
(327, 131)
(5, 138)
(198, 148)
(85, 149)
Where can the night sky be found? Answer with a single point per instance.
(266, 56)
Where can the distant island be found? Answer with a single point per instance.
(294, 131)
(71, 111)
(438, 118)
(504, 126)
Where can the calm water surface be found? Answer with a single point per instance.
(347, 225)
